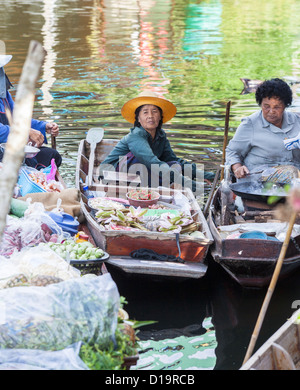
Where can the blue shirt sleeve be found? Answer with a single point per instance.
(35, 124)
(4, 131)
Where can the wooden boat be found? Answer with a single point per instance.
(250, 262)
(281, 351)
(119, 244)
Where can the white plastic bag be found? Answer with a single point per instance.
(32, 359)
(58, 315)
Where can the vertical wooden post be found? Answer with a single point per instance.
(19, 130)
(225, 138)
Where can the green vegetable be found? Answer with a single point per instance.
(112, 356)
(82, 251)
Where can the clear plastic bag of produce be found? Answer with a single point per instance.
(30, 263)
(35, 227)
(32, 359)
(58, 315)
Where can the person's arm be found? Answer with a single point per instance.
(239, 147)
(4, 131)
(36, 126)
(191, 171)
(139, 146)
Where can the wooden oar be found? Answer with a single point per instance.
(271, 288)
(93, 137)
(225, 138)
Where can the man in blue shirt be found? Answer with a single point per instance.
(37, 133)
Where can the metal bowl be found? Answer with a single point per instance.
(30, 151)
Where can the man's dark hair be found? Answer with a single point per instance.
(274, 88)
(137, 123)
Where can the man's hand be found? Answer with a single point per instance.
(36, 137)
(52, 128)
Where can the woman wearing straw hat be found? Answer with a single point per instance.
(147, 148)
(37, 133)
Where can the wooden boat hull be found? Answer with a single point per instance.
(250, 262)
(281, 351)
(119, 244)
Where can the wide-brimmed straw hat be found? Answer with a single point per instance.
(4, 59)
(148, 97)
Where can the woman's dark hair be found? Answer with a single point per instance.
(137, 112)
(274, 88)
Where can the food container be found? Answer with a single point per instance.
(142, 197)
(90, 266)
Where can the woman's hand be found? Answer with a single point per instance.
(240, 171)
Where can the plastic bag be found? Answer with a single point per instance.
(33, 262)
(52, 173)
(32, 359)
(58, 315)
(35, 227)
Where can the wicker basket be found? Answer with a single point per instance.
(90, 266)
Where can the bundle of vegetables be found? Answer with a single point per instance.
(181, 223)
(134, 219)
(60, 314)
(76, 251)
(125, 345)
(121, 219)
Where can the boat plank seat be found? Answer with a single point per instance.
(282, 358)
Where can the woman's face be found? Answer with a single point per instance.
(272, 109)
(149, 117)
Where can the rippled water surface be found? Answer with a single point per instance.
(100, 53)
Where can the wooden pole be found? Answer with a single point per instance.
(225, 138)
(211, 193)
(19, 130)
(271, 288)
(53, 142)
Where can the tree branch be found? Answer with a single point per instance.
(19, 130)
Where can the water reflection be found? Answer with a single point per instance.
(101, 53)
(49, 40)
(202, 35)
